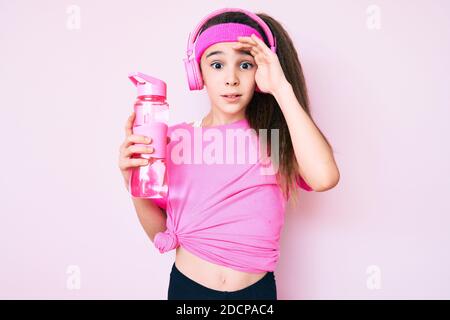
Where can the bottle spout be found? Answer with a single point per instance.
(148, 85)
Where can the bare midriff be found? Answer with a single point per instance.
(212, 275)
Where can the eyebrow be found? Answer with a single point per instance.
(242, 52)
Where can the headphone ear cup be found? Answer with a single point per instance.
(193, 74)
(198, 74)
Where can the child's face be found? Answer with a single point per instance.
(231, 71)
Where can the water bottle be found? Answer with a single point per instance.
(152, 118)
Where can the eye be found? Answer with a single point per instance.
(244, 63)
(214, 63)
(251, 65)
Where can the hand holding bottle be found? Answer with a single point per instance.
(128, 151)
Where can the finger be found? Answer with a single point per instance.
(243, 46)
(252, 48)
(128, 152)
(135, 162)
(254, 54)
(127, 163)
(247, 44)
(247, 41)
(131, 139)
(261, 44)
(256, 43)
(129, 125)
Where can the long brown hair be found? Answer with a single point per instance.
(263, 111)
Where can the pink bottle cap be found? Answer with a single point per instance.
(148, 85)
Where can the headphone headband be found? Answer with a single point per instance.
(193, 35)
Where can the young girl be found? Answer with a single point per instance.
(225, 220)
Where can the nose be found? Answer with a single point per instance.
(232, 79)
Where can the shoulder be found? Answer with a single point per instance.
(177, 125)
(180, 125)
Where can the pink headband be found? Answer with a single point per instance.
(224, 32)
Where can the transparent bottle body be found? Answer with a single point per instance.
(150, 181)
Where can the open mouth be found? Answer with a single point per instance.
(232, 98)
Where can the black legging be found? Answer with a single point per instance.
(183, 288)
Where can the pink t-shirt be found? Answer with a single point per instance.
(222, 207)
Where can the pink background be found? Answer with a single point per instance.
(380, 95)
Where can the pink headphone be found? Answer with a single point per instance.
(193, 72)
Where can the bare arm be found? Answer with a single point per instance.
(314, 156)
(152, 218)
